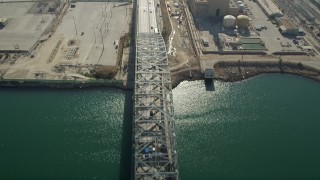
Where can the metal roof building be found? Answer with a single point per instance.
(205, 8)
(288, 26)
(269, 8)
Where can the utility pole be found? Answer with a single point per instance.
(105, 18)
(242, 54)
(42, 21)
(75, 26)
(94, 33)
(40, 30)
(102, 40)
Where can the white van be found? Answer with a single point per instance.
(116, 43)
(156, 30)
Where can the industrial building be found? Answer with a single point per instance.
(252, 43)
(269, 8)
(288, 26)
(242, 43)
(207, 8)
(206, 38)
(234, 9)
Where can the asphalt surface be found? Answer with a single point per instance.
(146, 16)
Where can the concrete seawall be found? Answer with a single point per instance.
(63, 84)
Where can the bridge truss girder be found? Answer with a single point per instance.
(154, 126)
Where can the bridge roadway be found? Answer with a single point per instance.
(154, 145)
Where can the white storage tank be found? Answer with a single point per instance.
(229, 21)
(243, 21)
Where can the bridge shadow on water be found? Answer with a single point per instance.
(126, 141)
(126, 156)
(126, 161)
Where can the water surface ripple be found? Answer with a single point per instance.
(60, 133)
(261, 128)
(265, 127)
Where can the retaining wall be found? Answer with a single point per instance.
(61, 83)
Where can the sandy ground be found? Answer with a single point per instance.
(95, 26)
(181, 52)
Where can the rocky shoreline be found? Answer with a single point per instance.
(224, 71)
(185, 75)
(237, 71)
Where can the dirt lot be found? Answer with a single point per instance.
(84, 39)
(23, 29)
(94, 27)
(181, 54)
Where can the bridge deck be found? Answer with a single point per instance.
(154, 126)
(146, 16)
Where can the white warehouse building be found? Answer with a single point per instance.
(269, 8)
(213, 8)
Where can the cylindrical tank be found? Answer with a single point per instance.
(243, 21)
(229, 21)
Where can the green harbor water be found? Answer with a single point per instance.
(261, 128)
(67, 134)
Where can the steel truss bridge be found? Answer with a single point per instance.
(154, 145)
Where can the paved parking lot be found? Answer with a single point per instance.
(12, 10)
(95, 26)
(23, 30)
(271, 36)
